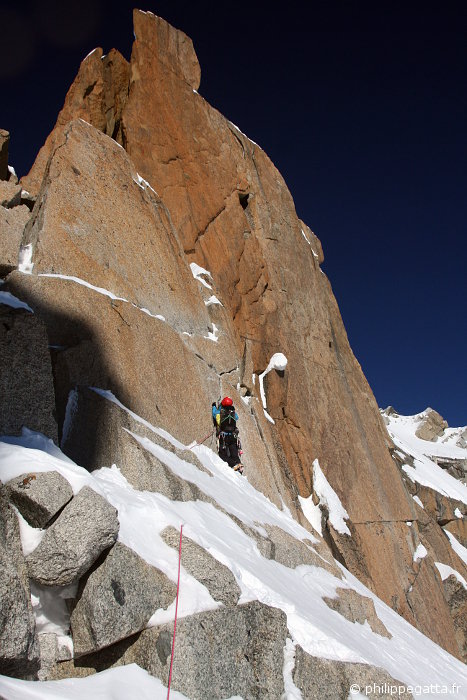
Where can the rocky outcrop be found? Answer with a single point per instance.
(458, 528)
(432, 426)
(217, 578)
(97, 96)
(25, 374)
(456, 595)
(321, 679)
(291, 552)
(10, 194)
(357, 608)
(19, 648)
(4, 143)
(117, 600)
(39, 496)
(86, 527)
(220, 654)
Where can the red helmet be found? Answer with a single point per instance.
(226, 401)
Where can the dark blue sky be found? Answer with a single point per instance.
(363, 109)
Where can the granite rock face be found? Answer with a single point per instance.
(220, 654)
(222, 205)
(117, 601)
(39, 496)
(321, 679)
(86, 527)
(10, 194)
(26, 383)
(456, 594)
(12, 225)
(19, 647)
(96, 96)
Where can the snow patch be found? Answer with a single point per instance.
(329, 498)
(459, 549)
(306, 237)
(291, 690)
(101, 290)
(213, 335)
(197, 271)
(279, 362)
(144, 184)
(50, 610)
(311, 512)
(247, 137)
(10, 300)
(445, 571)
(458, 514)
(83, 283)
(115, 684)
(417, 500)
(25, 263)
(12, 171)
(90, 53)
(420, 553)
(31, 537)
(212, 300)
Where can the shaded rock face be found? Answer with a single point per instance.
(12, 225)
(26, 383)
(39, 497)
(221, 653)
(320, 679)
(19, 648)
(99, 433)
(221, 204)
(117, 601)
(84, 529)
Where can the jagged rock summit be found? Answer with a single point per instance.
(165, 261)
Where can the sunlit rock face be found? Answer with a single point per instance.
(113, 237)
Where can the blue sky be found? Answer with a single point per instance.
(362, 107)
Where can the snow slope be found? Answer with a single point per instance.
(408, 656)
(425, 470)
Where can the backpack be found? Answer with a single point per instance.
(228, 424)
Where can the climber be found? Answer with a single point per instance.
(228, 442)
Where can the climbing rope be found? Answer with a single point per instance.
(176, 611)
(204, 439)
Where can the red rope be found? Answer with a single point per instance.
(204, 439)
(176, 610)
